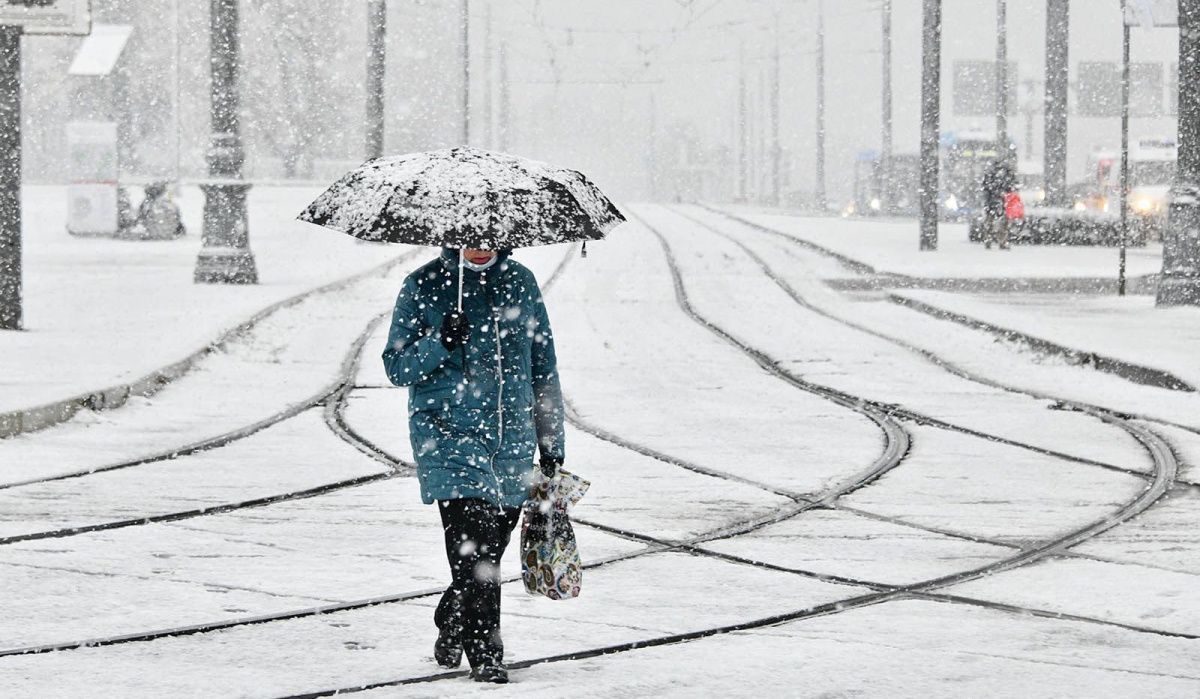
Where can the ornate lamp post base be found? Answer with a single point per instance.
(225, 266)
(226, 257)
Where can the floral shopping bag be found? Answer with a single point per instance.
(550, 563)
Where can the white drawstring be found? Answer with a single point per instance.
(462, 256)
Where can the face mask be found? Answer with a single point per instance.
(479, 268)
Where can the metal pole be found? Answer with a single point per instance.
(653, 149)
(885, 138)
(820, 189)
(10, 178)
(1029, 109)
(931, 76)
(226, 257)
(376, 71)
(1058, 14)
(487, 75)
(776, 169)
(502, 126)
(177, 116)
(1124, 178)
(743, 132)
(466, 75)
(1002, 77)
(1180, 281)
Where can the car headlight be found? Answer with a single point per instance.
(1144, 205)
(876, 205)
(1080, 206)
(952, 203)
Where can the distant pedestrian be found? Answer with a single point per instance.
(483, 394)
(999, 182)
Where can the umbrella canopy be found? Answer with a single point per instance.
(465, 197)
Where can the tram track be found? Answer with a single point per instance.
(881, 593)
(227, 438)
(893, 452)
(859, 268)
(1163, 476)
(333, 399)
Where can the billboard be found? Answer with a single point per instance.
(1152, 13)
(48, 16)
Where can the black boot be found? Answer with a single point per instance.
(495, 673)
(447, 649)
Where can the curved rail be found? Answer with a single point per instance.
(221, 440)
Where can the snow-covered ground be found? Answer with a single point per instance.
(1018, 548)
(100, 312)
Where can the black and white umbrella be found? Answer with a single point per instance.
(465, 198)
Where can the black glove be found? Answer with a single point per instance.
(550, 466)
(455, 331)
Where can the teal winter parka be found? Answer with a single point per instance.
(476, 414)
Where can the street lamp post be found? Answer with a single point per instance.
(1058, 13)
(776, 150)
(820, 193)
(466, 73)
(10, 178)
(1002, 77)
(1180, 281)
(931, 95)
(226, 257)
(885, 139)
(376, 62)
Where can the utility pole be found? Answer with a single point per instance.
(931, 95)
(1180, 281)
(743, 134)
(10, 177)
(885, 138)
(466, 72)
(1002, 78)
(502, 126)
(225, 257)
(1058, 14)
(376, 68)
(820, 189)
(776, 170)
(487, 75)
(653, 149)
(1124, 176)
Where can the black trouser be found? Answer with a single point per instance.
(477, 533)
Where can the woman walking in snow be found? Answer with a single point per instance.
(483, 394)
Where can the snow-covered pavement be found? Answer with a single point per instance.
(796, 492)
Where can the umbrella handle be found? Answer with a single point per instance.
(462, 253)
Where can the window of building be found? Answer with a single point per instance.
(1099, 93)
(975, 88)
(1146, 89)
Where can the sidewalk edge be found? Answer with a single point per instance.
(25, 420)
(1129, 371)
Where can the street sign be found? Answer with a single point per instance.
(1152, 13)
(100, 50)
(47, 16)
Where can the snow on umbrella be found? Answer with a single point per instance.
(464, 197)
